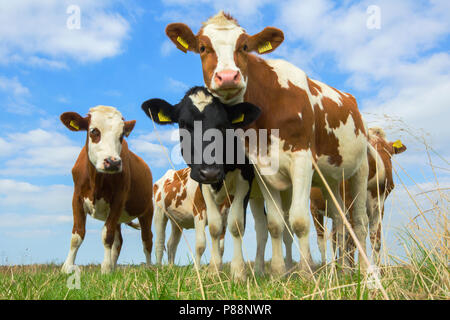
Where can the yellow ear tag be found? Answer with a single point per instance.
(162, 117)
(265, 47)
(73, 124)
(239, 119)
(397, 144)
(182, 42)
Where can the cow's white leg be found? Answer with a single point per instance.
(275, 224)
(257, 207)
(107, 264)
(172, 244)
(236, 227)
(375, 215)
(75, 243)
(160, 220)
(215, 226)
(200, 238)
(78, 232)
(117, 246)
(288, 235)
(301, 176)
(358, 189)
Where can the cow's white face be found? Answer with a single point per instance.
(105, 136)
(224, 49)
(226, 79)
(105, 132)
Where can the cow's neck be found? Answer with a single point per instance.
(281, 108)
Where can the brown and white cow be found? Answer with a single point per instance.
(314, 122)
(179, 198)
(378, 189)
(112, 184)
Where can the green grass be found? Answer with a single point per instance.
(182, 282)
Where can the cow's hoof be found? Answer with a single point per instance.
(238, 273)
(107, 268)
(259, 268)
(278, 269)
(67, 268)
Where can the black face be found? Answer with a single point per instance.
(203, 122)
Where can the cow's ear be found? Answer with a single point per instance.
(73, 121)
(182, 36)
(160, 111)
(398, 147)
(266, 41)
(242, 114)
(128, 127)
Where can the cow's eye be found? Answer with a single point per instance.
(121, 137)
(95, 135)
(202, 49)
(245, 48)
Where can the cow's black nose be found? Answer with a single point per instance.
(112, 164)
(210, 175)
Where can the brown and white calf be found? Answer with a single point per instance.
(179, 198)
(111, 184)
(307, 120)
(380, 185)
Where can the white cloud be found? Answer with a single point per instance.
(176, 85)
(38, 152)
(153, 147)
(36, 33)
(13, 86)
(16, 97)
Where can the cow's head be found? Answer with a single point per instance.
(197, 113)
(224, 48)
(377, 137)
(105, 132)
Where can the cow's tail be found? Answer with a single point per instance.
(134, 225)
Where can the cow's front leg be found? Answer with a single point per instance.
(257, 207)
(301, 176)
(78, 233)
(108, 236)
(200, 239)
(215, 228)
(275, 224)
(237, 228)
(117, 245)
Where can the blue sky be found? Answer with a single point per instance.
(120, 56)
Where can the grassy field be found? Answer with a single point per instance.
(425, 278)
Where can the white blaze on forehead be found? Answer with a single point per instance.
(223, 33)
(201, 100)
(109, 121)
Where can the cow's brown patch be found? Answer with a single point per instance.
(199, 203)
(173, 187)
(314, 88)
(280, 107)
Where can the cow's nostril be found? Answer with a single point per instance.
(112, 163)
(210, 174)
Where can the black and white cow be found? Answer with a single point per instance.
(204, 122)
